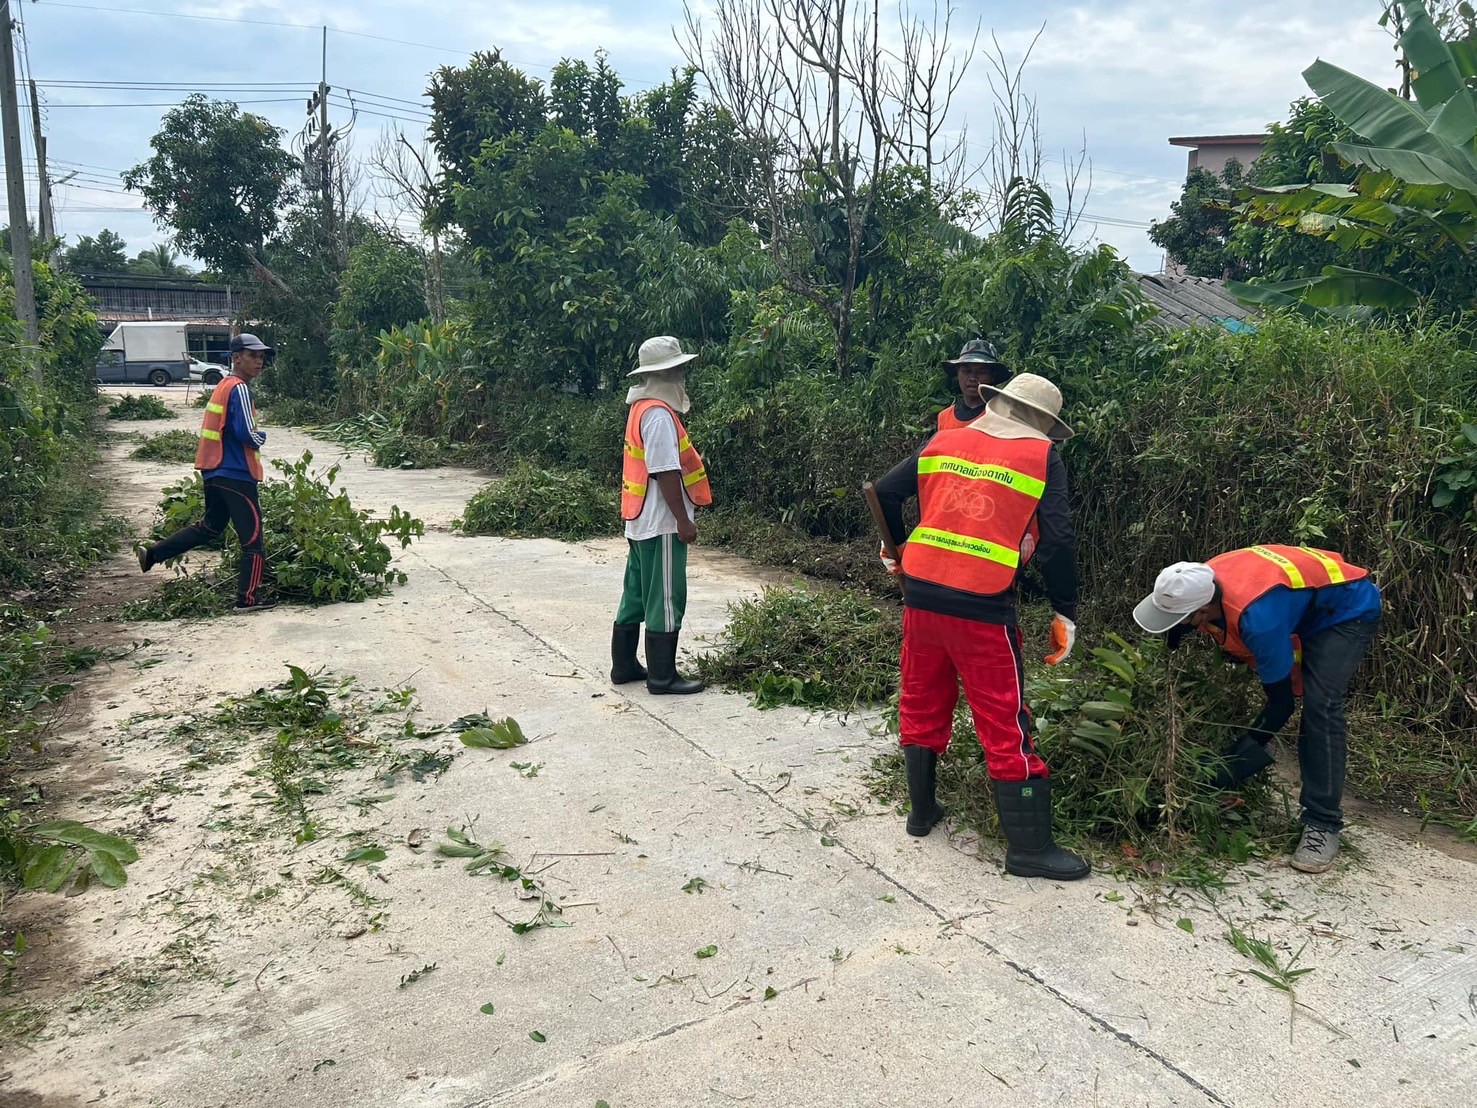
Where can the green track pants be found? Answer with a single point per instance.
(655, 590)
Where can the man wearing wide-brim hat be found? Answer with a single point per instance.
(981, 490)
(978, 364)
(662, 479)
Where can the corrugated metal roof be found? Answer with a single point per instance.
(1190, 301)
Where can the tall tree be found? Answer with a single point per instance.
(103, 253)
(218, 179)
(833, 113)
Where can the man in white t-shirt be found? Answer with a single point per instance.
(662, 480)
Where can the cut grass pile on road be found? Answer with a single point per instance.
(320, 549)
(136, 407)
(530, 503)
(813, 649)
(387, 443)
(171, 446)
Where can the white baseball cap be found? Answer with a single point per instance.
(1180, 589)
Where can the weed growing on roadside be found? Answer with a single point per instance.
(171, 446)
(138, 407)
(1131, 735)
(529, 502)
(816, 649)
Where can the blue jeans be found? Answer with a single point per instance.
(1329, 661)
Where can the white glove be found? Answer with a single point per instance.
(889, 564)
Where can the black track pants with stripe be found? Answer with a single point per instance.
(226, 501)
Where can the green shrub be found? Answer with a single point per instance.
(136, 406)
(171, 446)
(529, 502)
(320, 549)
(1331, 435)
(296, 411)
(816, 649)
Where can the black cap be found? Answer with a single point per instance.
(976, 350)
(246, 341)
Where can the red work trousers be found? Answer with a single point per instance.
(938, 652)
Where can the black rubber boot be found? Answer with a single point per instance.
(1025, 819)
(1243, 759)
(624, 668)
(661, 660)
(921, 765)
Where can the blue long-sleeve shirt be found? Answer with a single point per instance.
(1269, 622)
(239, 432)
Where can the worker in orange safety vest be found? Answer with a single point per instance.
(662, 480)
(981, 490)
(228, 458)
(1303, 618)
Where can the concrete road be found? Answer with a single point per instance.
(854, 966)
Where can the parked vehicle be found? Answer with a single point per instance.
(206, 372)
(138, 353)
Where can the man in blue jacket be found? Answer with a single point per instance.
(229, 460)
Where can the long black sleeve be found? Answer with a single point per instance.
(894, 489)
(1056, 554)
(1275, 713)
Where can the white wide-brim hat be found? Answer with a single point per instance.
(662, 352)
(1035, 392)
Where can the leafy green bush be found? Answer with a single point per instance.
(529, 502)
(816, 649)
(171, 446)
(295, 411)
(320, 549)
(137, 406)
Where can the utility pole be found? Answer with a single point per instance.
(15, 189)
(48, 226)
(325, 139)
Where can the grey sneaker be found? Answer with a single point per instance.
(1317, 850)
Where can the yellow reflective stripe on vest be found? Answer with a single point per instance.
(684, 443)
(216, 409)
(965, 544)
(690, 479)
(1294, 575)
(213, 436)
(974, 471)
(635, 451)
(1335, 574)
(633, 488)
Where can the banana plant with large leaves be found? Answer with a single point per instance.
(1409, 220)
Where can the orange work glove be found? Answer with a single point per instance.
(1063, 638)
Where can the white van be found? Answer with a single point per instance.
(151, 352)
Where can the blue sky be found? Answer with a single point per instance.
(1127, 74)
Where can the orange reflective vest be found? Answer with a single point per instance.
(633, 468)
(1247, 575)
(977, 498)
(948, 421)
(210, 453)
